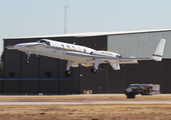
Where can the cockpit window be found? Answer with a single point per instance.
(44, 42)
(48, 43)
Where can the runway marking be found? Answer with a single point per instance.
(83, 102)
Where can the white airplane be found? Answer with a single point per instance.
(81, 55)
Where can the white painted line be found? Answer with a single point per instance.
(85, 102)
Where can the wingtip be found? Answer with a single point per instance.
(10, 47)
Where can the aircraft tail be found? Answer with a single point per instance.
(158, 54)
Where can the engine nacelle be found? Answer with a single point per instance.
(105, 53)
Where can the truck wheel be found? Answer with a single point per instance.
(143, 93)
(130, 96)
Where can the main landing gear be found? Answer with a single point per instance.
(68, 72)
(96, 64)
(93, 70)
(28, 61)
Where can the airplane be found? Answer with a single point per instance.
(80, 55)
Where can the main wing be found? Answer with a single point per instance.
(104, 59)
(114, 61)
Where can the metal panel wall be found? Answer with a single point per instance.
(30, 86)
(1, 86)
(68, 86)
(11, 87)
(48, 67)
(106, 80)
(11, 60)
(34, 85)
(49, 86)
(139, 44)
(94, 81)
(146, 72)
(29, 70)
(39, 67)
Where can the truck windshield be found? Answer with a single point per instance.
(130, 86)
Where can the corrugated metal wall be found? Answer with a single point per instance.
(94, 81)
(39, 67)
(139, 44)
(106, 80)
(147, 72)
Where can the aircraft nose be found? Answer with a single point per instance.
(16, 46)
(19, 46)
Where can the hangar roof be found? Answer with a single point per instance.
(92, 34)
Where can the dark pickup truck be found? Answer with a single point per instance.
(143, 89)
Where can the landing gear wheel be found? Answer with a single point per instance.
(68, 72)
(93, 70)
(27, 61)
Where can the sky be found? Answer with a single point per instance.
(22, 18)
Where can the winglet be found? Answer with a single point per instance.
(157, 56)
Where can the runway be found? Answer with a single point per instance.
(83, 102)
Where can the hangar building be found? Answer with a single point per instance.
(46, 75)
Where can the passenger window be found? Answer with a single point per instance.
(79, 48)
(68, 47)
(84, 50)
(73, 47)
(62, 45)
